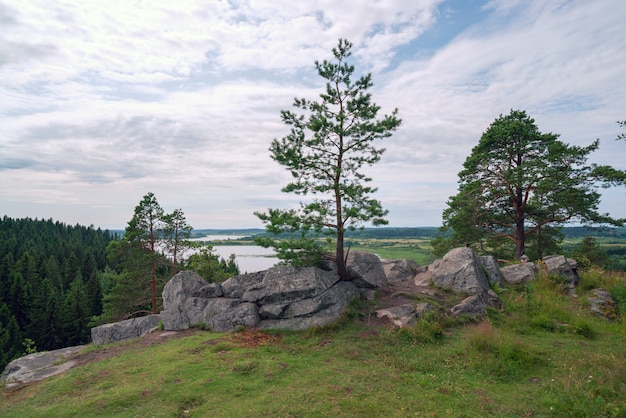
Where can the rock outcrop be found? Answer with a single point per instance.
(124, 330)
(366, 270)
(565, 268)
(38, 366)
(399, 270)
(601, 304)
(460, 270)
(463, 272)
(405, 315)
(519, 273)
(281, 297)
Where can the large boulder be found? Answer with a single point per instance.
(366, 270)
(181, 287)
(519, 273)
(124, 330)
(602, 304)
(38, 366)
(459, 270)
(401, 270)
(565, 268)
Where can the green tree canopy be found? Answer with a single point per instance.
(329, 143)
(137, 258)
(518, 183)
(212, 267)
(176, 233)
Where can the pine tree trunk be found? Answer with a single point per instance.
(341, 260)
(520, 235)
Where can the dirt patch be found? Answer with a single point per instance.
(252, 338)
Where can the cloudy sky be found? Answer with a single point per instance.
(103, 102)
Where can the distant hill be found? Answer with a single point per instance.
(426, 232)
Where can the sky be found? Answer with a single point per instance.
(103, 102)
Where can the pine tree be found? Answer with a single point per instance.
(10, 336)
(176, 232)
(330, 141)
(518, 182)
(76, 314)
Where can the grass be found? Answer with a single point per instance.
(545, 355)
(417, 250)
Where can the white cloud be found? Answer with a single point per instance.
(105, 101)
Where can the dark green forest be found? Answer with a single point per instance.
(57, 281)
(49, 284)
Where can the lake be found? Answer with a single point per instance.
(249, 258)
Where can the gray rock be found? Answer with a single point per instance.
(280, 297)
(519, 273)
(124, 330)
(460, 271)
(236, 286)
(477, 304)
(603, 305)
(559, 265)
(366, 270)
(400, 316)
(494, 276)
(38, 366)
(400, 270)
(287, 284)
(405, 315)
(341, 294)
(423, 308)
(368, 294)
(225, 315)
(182, 286)
(212, 290)
(194, 312)
(175, 294)
(424, 278)
(272, 311)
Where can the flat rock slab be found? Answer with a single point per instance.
(38, 366)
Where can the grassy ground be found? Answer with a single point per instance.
(545, 355)
(393, 249)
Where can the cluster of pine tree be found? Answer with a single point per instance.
(58, 281)
(50, 287)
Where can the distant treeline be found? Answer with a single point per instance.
(582, 231)
(427, 232)
(49, 284)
